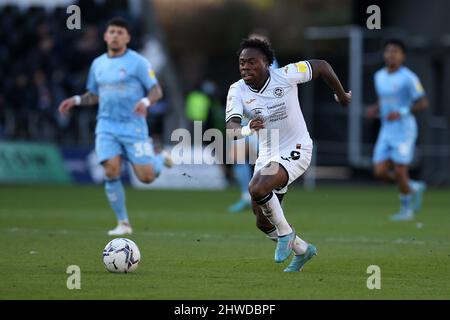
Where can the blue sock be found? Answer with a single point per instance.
(116, 197)
(242, 173)
(405, 201)
(157, 162)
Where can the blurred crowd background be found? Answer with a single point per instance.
(192, 45)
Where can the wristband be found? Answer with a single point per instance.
(146, 101)
(246, 131)
(404, 111)
(77, 100)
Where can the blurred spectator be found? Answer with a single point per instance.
(204, 105)
(41, 61)
(216, 114)
(157, 114)
(197, 105)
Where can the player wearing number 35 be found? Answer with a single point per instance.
(124, 86)
(269, 98)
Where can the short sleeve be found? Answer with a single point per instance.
(415, 87)
(146, 74)
(91, 85)
(299, 72)
(234, 106)
(378, 82)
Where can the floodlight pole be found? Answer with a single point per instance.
(355, 36)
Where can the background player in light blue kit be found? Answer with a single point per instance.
(124, 85)
(400, 94)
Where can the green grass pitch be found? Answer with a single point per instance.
(193, 249)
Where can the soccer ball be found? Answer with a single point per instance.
(121, 255)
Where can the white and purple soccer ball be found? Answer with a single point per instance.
(121, 256)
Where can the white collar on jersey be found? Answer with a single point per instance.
(263, 87)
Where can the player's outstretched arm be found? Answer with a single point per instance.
(322, 69)
(236, 130)
(373, 110)
(87, 99)
(153, 96)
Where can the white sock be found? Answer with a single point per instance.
(271, 208)
(272, 235)
(299, 246)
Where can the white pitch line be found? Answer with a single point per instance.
(375, 241)
(358, 240)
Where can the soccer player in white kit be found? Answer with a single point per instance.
(269, 97)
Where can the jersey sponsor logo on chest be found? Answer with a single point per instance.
(256, 112)
(271, 112)
(122, 73)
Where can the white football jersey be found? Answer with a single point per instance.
(277, 103)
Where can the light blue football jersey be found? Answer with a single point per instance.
(397, 91)
(120, 82)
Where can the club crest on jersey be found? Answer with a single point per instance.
(278, 92)
(122, 72)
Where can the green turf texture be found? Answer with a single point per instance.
(193, 249)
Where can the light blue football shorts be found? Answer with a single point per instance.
(136, 150)
(399, 151)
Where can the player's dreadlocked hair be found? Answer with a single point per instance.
(261, 45)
